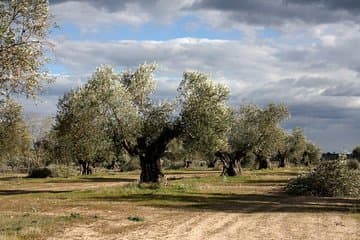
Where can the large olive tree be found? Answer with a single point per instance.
(78, 134)
(119, 107)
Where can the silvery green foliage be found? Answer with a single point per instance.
(15, 138)
(205, 115)
(298, 149)
(312, 154)
(258, 130)
(77, 135)
(119, 111)
(297, 146)
(24, 28)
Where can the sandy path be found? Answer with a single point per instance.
(218, 226)
(221, 225)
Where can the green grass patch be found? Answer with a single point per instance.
(34, 226)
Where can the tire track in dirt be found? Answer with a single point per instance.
(213, 225)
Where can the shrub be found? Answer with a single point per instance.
(174, 165)
(133, 164)
(62, 171)
(39, 173)
(353, 164)
(330, 178)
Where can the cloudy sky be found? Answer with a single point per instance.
(303, 53)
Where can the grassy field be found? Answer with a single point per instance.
(192, 205)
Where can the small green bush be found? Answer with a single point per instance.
(353, 164)
(40, 173)
(331, 178)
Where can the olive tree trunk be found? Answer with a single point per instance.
(264, 163)
(85, 168)
(282, 161)
(150, 156)
(150, 169)
(231, 163)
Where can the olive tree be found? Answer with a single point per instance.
(15, 138)
(293, 147)
(297, 149)
(76, 136)
(120, 108)
(297, 146)
(257, 130)
(312, 154)
(24, 28)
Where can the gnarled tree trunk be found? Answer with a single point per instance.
(282, 159)
(150, 155)
(85, 168)
(150, 169)
(264, 162)
(231, 162)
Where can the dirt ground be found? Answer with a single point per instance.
(217, 225)
(252, 211)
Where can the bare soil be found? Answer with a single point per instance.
(249, 210)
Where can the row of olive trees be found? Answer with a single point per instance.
(113, 114)
(257, 131)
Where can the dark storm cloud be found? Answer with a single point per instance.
(110, 5)
(278, 12)
(274, 12)
(325, 111)
(334, 127)
(348, 5)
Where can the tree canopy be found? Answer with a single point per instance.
(119, 110)
(257, 130)
(24, 27)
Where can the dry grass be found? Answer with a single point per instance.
(197, 205)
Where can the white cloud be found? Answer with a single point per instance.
(312, 65)
(255, 72)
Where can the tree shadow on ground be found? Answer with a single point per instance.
(284, 173)
(6, 179)
(266, 182)
(21, 191)
(92, 179)
(71, 180)
(241, 203)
